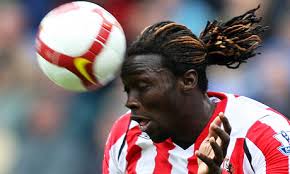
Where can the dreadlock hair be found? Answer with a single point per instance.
(230, 43)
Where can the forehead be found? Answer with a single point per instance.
(141, 65)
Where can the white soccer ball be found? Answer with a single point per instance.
(80, 46)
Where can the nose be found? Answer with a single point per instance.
(132, 101)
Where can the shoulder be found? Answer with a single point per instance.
(244, 112)
(268, 140)
(261, 132)
(273, 129)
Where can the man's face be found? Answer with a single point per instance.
(152, 95)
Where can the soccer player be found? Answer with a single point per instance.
(175, 125)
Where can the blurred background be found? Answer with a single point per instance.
(46, 130)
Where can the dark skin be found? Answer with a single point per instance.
(213, 149)
(168, 106)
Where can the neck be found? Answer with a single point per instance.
(195, 117)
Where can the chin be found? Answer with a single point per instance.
(158, 138)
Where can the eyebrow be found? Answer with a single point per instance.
(139, 70)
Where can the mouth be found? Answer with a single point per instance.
(143, 122)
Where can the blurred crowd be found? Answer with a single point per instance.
(45, 129)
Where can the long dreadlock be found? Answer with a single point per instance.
(230, 43)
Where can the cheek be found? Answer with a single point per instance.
(161, 97)
(151, 101)
(161, 103)
(162, 106)
(156, 101)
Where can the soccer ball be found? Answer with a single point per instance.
(80, 46)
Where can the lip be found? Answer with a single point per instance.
(143, 121)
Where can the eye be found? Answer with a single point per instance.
(143, 86)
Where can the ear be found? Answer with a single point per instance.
(188, 80)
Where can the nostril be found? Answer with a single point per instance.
(132, 105)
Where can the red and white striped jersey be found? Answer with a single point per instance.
(259, 143)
